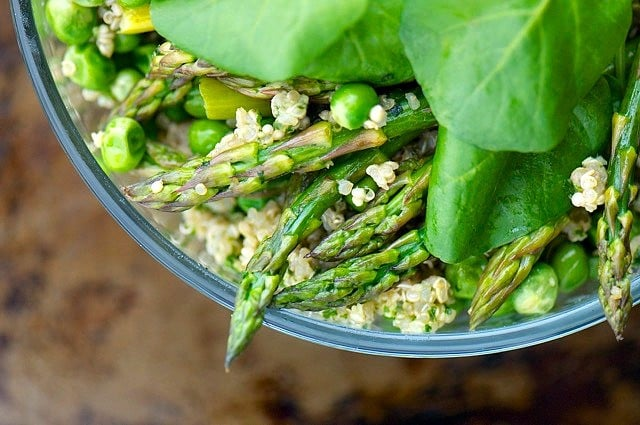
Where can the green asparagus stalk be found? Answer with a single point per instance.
(369, 230)
(301, 218)
(246, 168)
(165, 156)
(615, 225)
(507, 268)
(167, 83)
(171, 62)
(148, 96)
(359, 279)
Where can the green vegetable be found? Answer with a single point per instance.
(125, 43)
(506, 308)
(142, 56)
(614, 227)
(593, 267)
(281, 39)
(125, 81)
(88, 68)
(479, 199)
(176, 113)
(507, 268)
(378, 223)
(71, 23)
(538, 293)
(301, 217)
(194, 104)
(123, 144)
(204, 135)
(571, 264)
(507, 75)
(219, 102)
(89, 3)
(247, 167)
(464, 276)
(133, 3)
(351, 103)
(356, 280)
(164, 156)
(245, 204)
(381, 59)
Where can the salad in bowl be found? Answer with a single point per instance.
(403, 167)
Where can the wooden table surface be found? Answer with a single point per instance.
(94, 331)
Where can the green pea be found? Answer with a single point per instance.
(125, 81)
(70, 22)
(507, 307)
(571, 264)
(86, 67)
(125, 43)
(142, 56)
(464, 276)
(123, 144)
(89, 3)
(132, 3)
(351, 103)
(204, 135)
(538, 293)
(194, 103)
(245, 204)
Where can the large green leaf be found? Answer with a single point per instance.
(505, 75)
(267, 39)
(355, 40)
(481, 199)
(371, 50)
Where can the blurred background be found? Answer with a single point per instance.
(94, 331)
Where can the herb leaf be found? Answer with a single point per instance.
(267, 39)
(505, 75)
(336, 40)
(370, 51)
(480, 199)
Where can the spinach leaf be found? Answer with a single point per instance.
(370, 51)
(505, 75)
(481, 199)
(355, 40)
(267, 39)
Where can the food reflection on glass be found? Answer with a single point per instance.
(395, 163)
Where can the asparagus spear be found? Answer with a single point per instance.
(358, 279)
(171, 62)
(369, 230)
(507, 268)
(245, 168)
(168, 81)
(615, 225)
(148, 96)
(301, 218)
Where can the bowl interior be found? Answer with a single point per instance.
(72, 120)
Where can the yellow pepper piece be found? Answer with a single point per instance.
(221, 102)
(136, 20)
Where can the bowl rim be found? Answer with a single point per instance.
(432, 345)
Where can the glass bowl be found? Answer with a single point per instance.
(71, 119)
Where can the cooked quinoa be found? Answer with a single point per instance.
(230, 236)
(412, 307)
